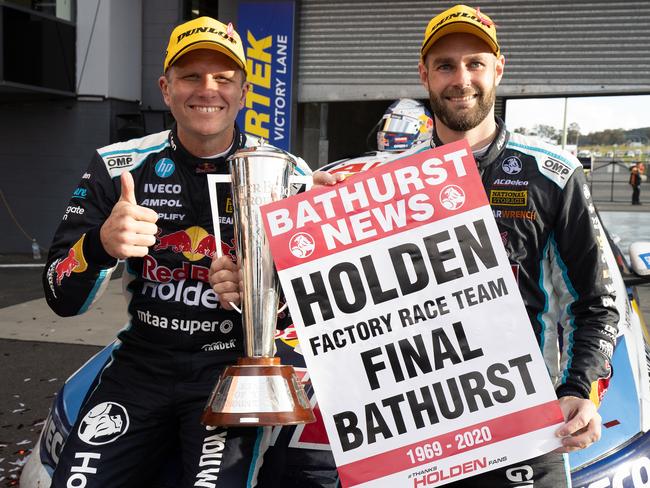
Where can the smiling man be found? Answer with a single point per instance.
(550, 230)
(146, 201)
(548, 225)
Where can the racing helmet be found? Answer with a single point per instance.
(405, 122)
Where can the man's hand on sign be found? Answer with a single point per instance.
(582, 426)
(130, 229)
(322, 178)
(225, 281)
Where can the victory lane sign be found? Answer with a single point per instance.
(411, 323)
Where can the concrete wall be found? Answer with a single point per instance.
(159, 18)
(109, 49)
(45, 148)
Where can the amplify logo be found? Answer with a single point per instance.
(194, 243)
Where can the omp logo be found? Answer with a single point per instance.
(103, 424)
(119, 161)
(557, 167)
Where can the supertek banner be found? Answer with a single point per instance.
(266, 29)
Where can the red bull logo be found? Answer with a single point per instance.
(178, 241)
(194, 243)
(229, 249)
(66, 266)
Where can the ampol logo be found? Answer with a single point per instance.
(103, 424)
(452, 197)
(302, 245)
(194, 243)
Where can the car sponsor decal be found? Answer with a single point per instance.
(509, 198)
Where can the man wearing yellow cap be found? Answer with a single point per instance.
(548, 225)
(146, 201)
(552, 236)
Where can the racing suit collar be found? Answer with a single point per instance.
(203, 165)
(496, 146)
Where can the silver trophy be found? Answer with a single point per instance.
(258, 390)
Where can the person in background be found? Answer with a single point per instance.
(637, 176)
(553, 237)
(146, 201)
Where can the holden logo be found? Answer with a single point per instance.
(511, 165)
(452, 197)
(103, 424)
(302, 245)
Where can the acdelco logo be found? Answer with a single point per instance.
(119, 161)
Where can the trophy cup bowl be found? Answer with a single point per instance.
(258, 390)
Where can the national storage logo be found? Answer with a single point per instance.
(509, 198)
(267, 34)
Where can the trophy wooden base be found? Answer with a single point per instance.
(258, 391)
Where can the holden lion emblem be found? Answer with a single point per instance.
(452, 197)
(302, 245)
(103, 424)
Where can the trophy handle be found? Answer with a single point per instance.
(306, 180)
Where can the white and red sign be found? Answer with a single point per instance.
(413, 330)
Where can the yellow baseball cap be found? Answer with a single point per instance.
(205, 33)
(461, 19)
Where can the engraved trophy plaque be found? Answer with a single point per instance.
(258, 390)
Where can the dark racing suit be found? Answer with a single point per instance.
(557, 249)
(178, 338)
(556, 246)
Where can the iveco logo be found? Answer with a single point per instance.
(119, 161)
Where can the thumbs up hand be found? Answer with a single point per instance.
(130, 229)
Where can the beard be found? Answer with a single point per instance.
(465, 119)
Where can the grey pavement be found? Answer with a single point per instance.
(38, 351)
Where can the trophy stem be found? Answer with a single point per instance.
(258, 391)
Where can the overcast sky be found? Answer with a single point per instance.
(591, 113)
